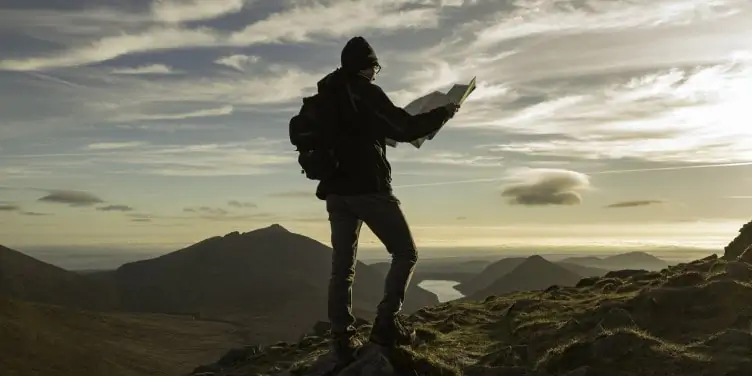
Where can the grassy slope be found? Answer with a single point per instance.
(38, 339)
(691, 319)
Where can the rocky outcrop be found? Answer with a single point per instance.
(741, 243)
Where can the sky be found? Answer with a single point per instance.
(161, 123)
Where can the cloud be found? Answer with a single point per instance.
(541, 187)
(297, 23)
(239, 62)
(206, 210)
(635, 203)
(145, 69)
(110, 47)
(532, 17)
(72, 198)
(679, 115)
(9, 207)
(115, 145)
(194, 10)
(208, 112)
(239, 204)
(448, 158)
(121, 208)
(34, 214)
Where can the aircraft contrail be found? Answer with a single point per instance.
(487, 180)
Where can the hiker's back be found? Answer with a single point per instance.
(360, 150)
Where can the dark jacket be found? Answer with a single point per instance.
(368, 118)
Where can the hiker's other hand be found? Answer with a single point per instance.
(452, 109)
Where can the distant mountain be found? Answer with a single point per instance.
(268, 274)
(631, 260)
(40, 339)
(26, 278)
(534, 273)
(491, 273)
(585, 271)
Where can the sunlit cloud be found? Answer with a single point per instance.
(542, 187)
(145, 69)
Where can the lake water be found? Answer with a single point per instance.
(443, 289)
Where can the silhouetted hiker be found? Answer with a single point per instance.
(341, 136)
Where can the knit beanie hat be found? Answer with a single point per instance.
(358, 55)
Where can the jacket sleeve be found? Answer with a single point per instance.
(394, 122)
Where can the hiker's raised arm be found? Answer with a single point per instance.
(397, 124)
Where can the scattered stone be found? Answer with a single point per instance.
(731, 339)
(582, 371)
(626, 273)
(607, 282)
(685, 279)
(372, 361)
(238, 355)
(616, 318)
(587, 282)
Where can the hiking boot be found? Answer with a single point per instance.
(391, 331)
(345, 348)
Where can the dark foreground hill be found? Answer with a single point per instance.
(270, 279)
(27, 278)
(689, 319)
(38, 339)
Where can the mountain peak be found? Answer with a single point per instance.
(274, 228)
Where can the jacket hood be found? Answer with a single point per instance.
(335, 80)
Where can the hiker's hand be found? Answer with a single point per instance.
(452, 109)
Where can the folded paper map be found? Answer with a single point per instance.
(457, 94)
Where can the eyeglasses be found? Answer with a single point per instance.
(376, 69)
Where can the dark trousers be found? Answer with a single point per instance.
(382, 214)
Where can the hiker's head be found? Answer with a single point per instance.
(359, 57)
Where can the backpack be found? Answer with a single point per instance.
(314, 132)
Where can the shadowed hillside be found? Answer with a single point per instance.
(39, 339)
(269, 278)
(689, 319)
(630, 260)
(27, 278)
(534, 273)
(504, 266)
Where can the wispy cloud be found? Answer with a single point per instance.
(9, 207)
(206, 210)
(634, 204)
(209, 112)
(145, 69)
(239, 62)
(120, 208)
(541, 187)
(35, 214)
(239, 204)
(194, 10)
(72, 198)
(115, 145)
